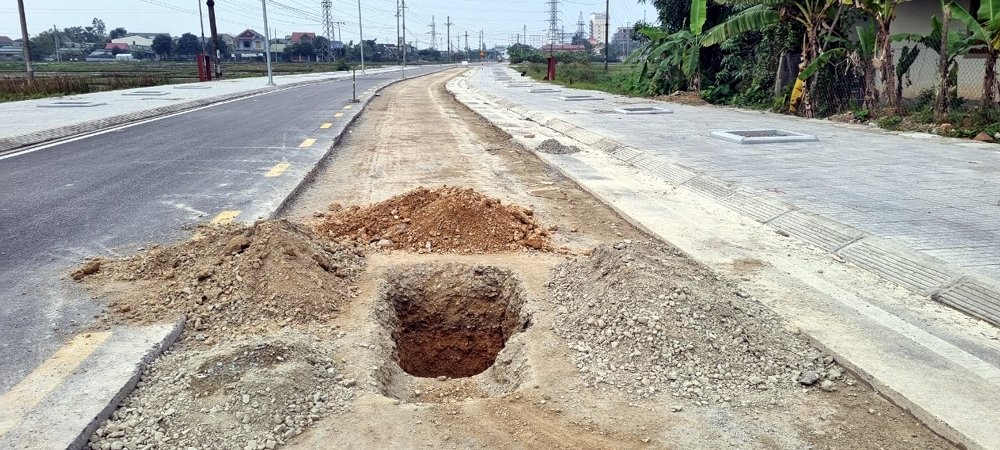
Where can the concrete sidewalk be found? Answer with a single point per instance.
(863, 206)
(33, 122)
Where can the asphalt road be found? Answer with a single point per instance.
(113, 192)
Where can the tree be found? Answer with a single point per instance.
(883, 12)
(74, 34)
(986, 30)
(162, 45)
(117, 33)
(99, 30)
(43, 46)
(188, 44)
(223, 50)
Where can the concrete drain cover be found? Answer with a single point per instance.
(452, 320)
(643, 110)
(520, 85)
(762, 136)
(146, 93)
(71, 104)
(544, 90)
(193, 87)
(578, 98)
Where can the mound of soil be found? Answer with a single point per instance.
(555, 147)
(446, 220)
(649, 321)
(233, 278)
(683, 97)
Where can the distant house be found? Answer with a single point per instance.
(138, 41)
(299, 36)
(101, 56)
(563, 48)
(121, 46)
(249, 45)
(6, 41)
(11, 53)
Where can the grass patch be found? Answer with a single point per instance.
(618, 79)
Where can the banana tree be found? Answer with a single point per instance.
(672, 56)
(818, 17)
(987, 31)
(883, 12)
(859, 54)
(956, 43)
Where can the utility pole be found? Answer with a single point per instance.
(267, 44)
(361, 33)
(404, 33)
(201, 21)
(448, 24)
(55, 37)
(398, 44)
(215, 37)
(467, 57)
(433, 33)
(607, 21)
(25, 42)
(525, 35)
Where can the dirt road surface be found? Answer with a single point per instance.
(601, 339)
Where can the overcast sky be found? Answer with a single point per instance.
(500, 20)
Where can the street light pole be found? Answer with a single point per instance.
(267, 45)
(607, 22)
(362, 33)
(201, 21)
(25, 42)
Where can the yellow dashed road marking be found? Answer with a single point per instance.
(325, 126)
(307, 143)
(225, 217)
(347, 107)
(19, 401)
(277, 170)
(340, 114)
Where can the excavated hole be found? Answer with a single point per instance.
(453, 320)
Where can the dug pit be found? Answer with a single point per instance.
(452, 320)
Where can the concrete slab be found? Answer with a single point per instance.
(768, 136)
(67, 416)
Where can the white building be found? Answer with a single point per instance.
(598, 25)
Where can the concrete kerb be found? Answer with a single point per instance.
(911, 269)
(928, 418)
(81, 440)
(13, 143)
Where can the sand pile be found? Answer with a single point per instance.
(234, 279)
(445, 219)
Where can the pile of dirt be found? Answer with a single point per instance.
(648, 320)
(683, 97)
(555, 147)
(254, 393)
(232, 279)
(446, 220)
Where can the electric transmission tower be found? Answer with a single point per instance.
(433, 33)
(448, 24)
(326, 53)
(553, 20)
(579, 25)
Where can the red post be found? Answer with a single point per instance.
(551, 76)
(204, 67)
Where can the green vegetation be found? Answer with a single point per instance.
(617, 80)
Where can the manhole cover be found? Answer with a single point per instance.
(544, 90)
(762, 136)
(520, 85)
(70, 104)
(193, 87)
(578, 98)
(452, 320)
(146, 93)
(643, 110)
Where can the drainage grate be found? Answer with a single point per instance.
(146, 93)
(643, 110)
(578, 98)
(762, 136)
(71, 104)
(544, 90)
(193, 87)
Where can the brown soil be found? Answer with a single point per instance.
(682, 97)
(232, 279)
(338, 378)
(446, 219)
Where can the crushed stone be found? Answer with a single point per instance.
(555, 147)
(647, 320)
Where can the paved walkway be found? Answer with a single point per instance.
(856, 195)
(31, 122)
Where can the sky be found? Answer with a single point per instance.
(500, 20)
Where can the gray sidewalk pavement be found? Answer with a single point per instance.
(847, 201)
(921, 210)
(32, 122)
